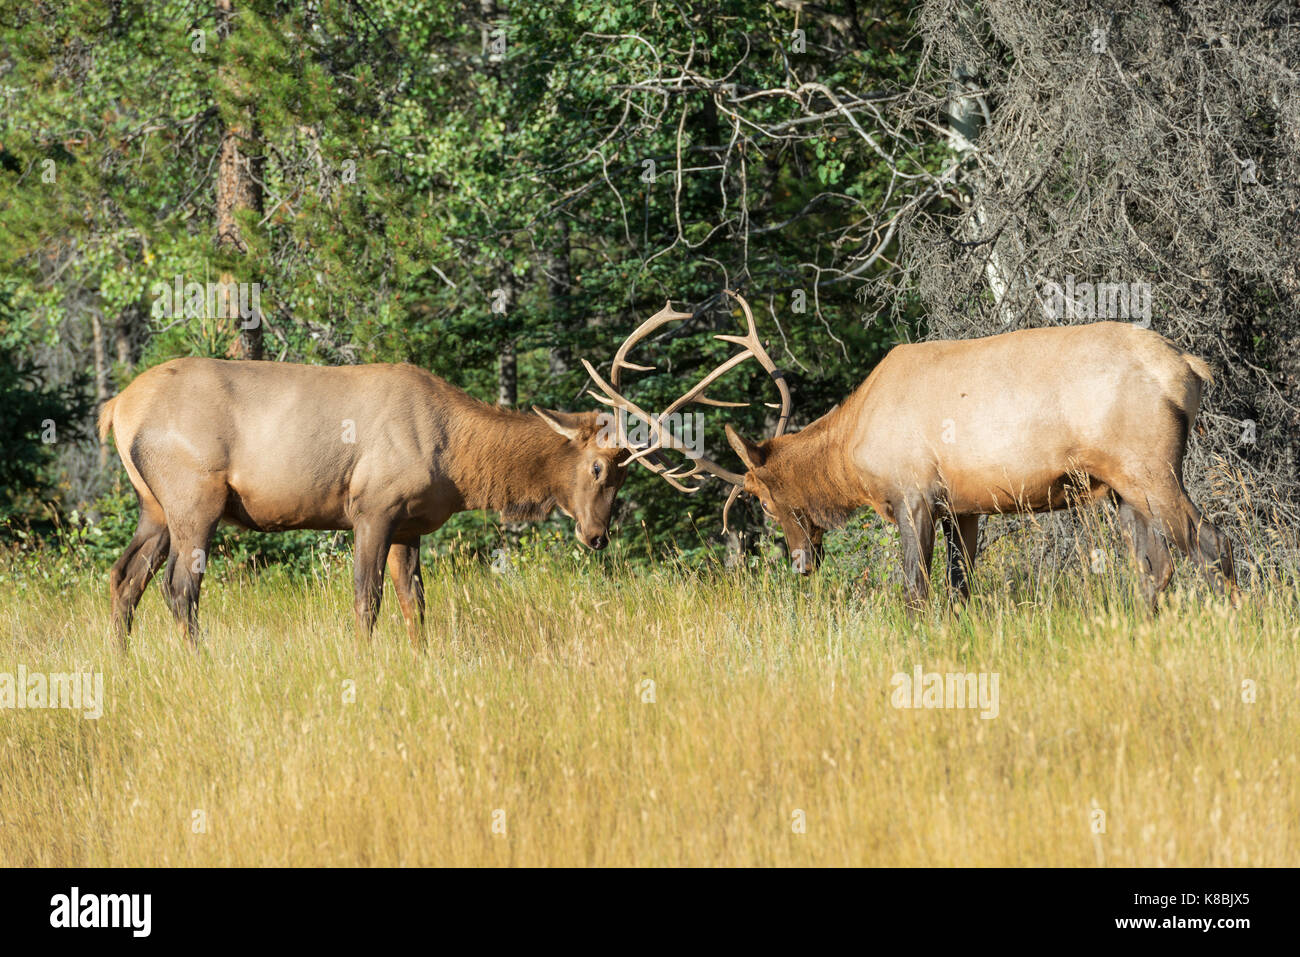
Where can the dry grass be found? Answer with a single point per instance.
(771, 695)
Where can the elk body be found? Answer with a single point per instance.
(389, 451)
(945, 432)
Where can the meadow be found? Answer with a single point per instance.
(585, 712)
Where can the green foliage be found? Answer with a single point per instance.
(34, 419)
(408, 177)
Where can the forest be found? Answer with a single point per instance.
(497, 191)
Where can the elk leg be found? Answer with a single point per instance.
(1155, 564)
(1170, 511)
(916, 530)
(132, 572)
(961, 533)
(1203, 542)
(369, 551)
(191, 525)
(404, 567)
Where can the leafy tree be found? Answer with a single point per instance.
(492, 190)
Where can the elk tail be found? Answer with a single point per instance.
(1193, 388)
(1200, 367)
(106, 419)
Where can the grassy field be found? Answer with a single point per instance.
(600, 715)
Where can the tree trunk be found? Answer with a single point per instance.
(558, 283)
(503, 305)
(98, 346)
(239, 187)
(503, 297)
(507, 376)
(127, 322)
(966, 111)
(492, 14)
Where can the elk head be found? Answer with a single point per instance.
(782, 497)
(591, 471)
(661, 439)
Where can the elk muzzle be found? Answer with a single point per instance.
(805, 548)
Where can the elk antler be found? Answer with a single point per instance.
(614, 397)
(660, 438)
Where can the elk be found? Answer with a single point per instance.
(388, 450)
(945, 432)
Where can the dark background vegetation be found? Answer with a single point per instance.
(865, 173)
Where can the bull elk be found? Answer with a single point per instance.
(945, 432)
(389, 451)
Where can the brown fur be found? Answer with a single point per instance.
(1018, 422)
(808, 465)
(390, 451)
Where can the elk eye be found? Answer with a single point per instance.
(595, 469)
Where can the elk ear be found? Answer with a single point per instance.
(752, 455)
(566, 423)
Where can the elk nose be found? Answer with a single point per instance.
(598, 542)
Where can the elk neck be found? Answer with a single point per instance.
(812, 469)
(510, 462)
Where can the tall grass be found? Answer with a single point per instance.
(589, 713)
